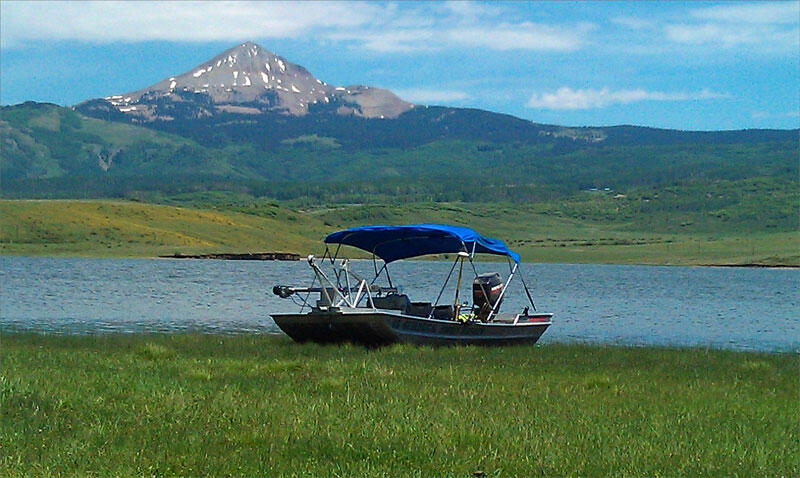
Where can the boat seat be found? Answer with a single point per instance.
(420, 309)
(323, 301)
(392, 302)
(444, 312)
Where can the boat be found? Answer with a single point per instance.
(346, 308)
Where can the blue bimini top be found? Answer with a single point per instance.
(392, 243)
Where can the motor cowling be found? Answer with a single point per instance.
(486, 289)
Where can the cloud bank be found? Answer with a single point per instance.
(380, 27)
(768, 26)
(401, 27)
(565, 98)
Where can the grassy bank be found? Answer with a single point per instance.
(133, 229)
(259, 405)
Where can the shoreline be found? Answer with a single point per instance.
(754, 266)
(278, 337)
(297, 256)
(133, 229)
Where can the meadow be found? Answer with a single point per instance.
(260, 405)
(105, 228)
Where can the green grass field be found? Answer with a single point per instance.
(196, 405)
(134, 229)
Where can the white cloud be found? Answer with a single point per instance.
(501, 37)
(381, 27)
(731, 35)
(105, 22)
(472, 10)
(766, 12)
(768, 26)
(401, 27)
(755, 28)
(426, 96)
(565, 98)
(522, 36)
(391, 40)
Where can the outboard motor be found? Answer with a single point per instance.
(486, 286)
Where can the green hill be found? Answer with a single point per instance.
(622, 194)
(538, 232)
(122, 228)
(442, 154)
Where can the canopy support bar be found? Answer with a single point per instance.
(502, 293)
(527, 292)
(483, 289)
(443, 287)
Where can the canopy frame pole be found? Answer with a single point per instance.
(321, 275)
(377, 273)
(367, 286)
(436, 302)
(369, 296)
(346, 270)
(318, 274)
(483, 289)
(358, 294)
(333, 257)
(502, 292)
(351, 302)
(527, 292)
(388, 277)
(384, 267)
(363, 287)
(308, 294)
(456, 305)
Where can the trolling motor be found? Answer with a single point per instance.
(283, 291)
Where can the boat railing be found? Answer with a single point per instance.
(348, 289)
(344, 288)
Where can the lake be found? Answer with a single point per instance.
(737, 308)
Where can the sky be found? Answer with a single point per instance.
(679, 65)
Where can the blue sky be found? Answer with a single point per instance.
(682, 65)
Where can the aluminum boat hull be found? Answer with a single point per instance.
(374, 328)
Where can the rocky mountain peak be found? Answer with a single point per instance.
(250, 79)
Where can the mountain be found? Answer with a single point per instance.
(249, 95)
(250, 121)
(51, 151)
(246, 79)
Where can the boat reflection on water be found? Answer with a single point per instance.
(348, 308)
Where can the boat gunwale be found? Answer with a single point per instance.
(338, 312)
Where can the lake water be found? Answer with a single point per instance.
(738, 308)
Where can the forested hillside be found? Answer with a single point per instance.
(439, 154)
